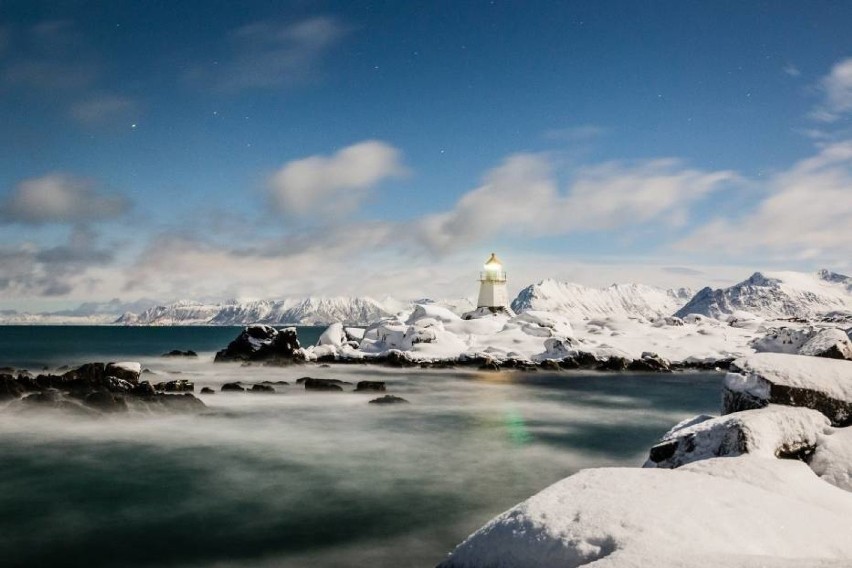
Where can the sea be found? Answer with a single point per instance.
(302, 478)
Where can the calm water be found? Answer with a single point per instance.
(298, 479)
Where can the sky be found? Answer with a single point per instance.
(212, 150)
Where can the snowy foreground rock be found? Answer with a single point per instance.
(713, 493)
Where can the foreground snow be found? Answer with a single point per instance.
(713, 492)
(745, 511)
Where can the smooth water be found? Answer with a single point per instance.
(302, 478)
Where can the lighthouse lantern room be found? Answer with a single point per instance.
(492, 285)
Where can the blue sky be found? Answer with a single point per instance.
(215, 149)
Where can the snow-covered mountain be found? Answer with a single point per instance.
(777, 295)
(577, 302)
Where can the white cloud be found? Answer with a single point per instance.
(791, 70)
(60, 198)
(522, 197)
(806, 214)
(836, 88)
(333, 184)
(269, 54)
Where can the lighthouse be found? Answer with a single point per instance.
(492, 286)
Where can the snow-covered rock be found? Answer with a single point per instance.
(832, 460)
(793, 380)
(578, 302)
(832, 343)
(773, 431)
(733, 512)
(125, 370)
(262, 343)
(776, 295)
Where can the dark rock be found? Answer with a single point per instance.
(262, 343)
(389, 399)
(372, 386)
(650, 362)
(396, 358)
(579, 360)
(179, 353)
(232, 387)
(262, 388)
(179, 385)
(143, 389)
(325, 366)
(129, 375)
(90, 372)
(106, 401)
(550, 365)
(10, 388)
(322, 384)
(207, 390)
(185, 402)
(613, 363)
(490, 365)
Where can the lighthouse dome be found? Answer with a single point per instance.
(493, 263)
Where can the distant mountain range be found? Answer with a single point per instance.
(777, 295)
(766, 295)
(582, 302)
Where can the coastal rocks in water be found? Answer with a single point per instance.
(261, 388)
(262, 343)
(179, 353)
(389, 399)
(10, 388)
(106, 401)
(126, 370)
(322, 384)
(179, 385)
(207, 390)
(232, 387)
(773, 431)
(821, 384)
(372, 386)
(733, 512)
(650, 362)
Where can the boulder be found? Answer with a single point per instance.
(180, 385)
(262, 343)
(389, 399)
(322, 384)
(125, 370)
(579, 360)
(207, 390)
(261, 388)
(613, 363)
(773, 431)
(232, 387)
(650, 362)
(143, 389)
(821, 384)
(10, 388)
(832, 343)
(550, 365)
(179, 353)
(106, 402)
(371, 386)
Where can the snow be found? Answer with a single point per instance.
(578, 302)
(776, 295)
(832, 460)
(765, 432)
(130, 366)
(733, 512)
(832, 377)
(826, 339)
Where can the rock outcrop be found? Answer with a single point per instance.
(262, 343)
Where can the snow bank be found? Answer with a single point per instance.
(732, 512)
(832, 460)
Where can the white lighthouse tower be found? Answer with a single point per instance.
(492, 286)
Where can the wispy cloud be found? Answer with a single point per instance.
(805, 215)
(60, 198)
(336, 184)
(522, 197)
(836, 90)
(791, 70)
(103, 109)
(270, 54)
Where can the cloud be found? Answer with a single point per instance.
(805, 215)
(836, 89)
(50, 55)
(60, 198)
(269, 54)
(791, 70)
(104, 109)
(522, 197)
(336, 184)
(28, 270)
